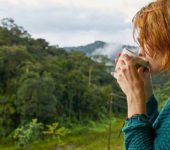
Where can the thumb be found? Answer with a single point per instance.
(141, 70)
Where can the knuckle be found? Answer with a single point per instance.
(128, 60)
(119, 75)
(116, 60)
(129, 66)
(123, 69)
(121, 60)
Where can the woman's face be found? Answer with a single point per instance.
(155, 66)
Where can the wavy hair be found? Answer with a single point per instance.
(152, 31)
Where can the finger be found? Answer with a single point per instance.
(127, 59)
(117, 69)
(123, 69)
(119, 54)
(122, 63)
(114, 74)
(146, 73)
(125, 73)
(130, 72)
(141, 70)
(131, 67)
(129, 64)
(119, 77)
(133, 71)
(122, 77)
(116, 60)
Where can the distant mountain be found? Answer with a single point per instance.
(89, 48)
(101, 48)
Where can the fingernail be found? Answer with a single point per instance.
(119, 54)
(112, 73)
(125, 55)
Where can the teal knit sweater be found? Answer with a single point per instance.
(151, 133)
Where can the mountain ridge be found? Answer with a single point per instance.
(101, 48)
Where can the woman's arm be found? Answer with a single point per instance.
(138, 130)
(139, 133)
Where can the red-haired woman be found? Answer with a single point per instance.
(146, 128)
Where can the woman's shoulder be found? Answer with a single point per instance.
(161, 126)
(164, 114)
(167, 105)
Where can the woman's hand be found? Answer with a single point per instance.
(131, 84)
(145, 74)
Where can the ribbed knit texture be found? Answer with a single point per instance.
(149, 134)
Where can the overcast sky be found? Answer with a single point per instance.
(74, 22)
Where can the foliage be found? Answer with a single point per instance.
(35, 99)
(27, 133)
(162, 94)
(55, 131)
(92, 136)
(46, 82)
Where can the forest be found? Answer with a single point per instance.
(47, 92)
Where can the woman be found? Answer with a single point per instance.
(146, 128)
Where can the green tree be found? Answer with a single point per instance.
(35, 99)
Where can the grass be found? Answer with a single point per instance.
(93, 136)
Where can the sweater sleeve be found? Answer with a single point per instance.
(139, 133)
(152, 108)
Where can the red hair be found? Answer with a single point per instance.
(152, 25)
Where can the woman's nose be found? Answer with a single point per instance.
(141, 53)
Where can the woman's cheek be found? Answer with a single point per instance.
(155, 66)
(154, 69)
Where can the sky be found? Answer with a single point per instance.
(75, 22)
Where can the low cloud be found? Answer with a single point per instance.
(110, 50)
